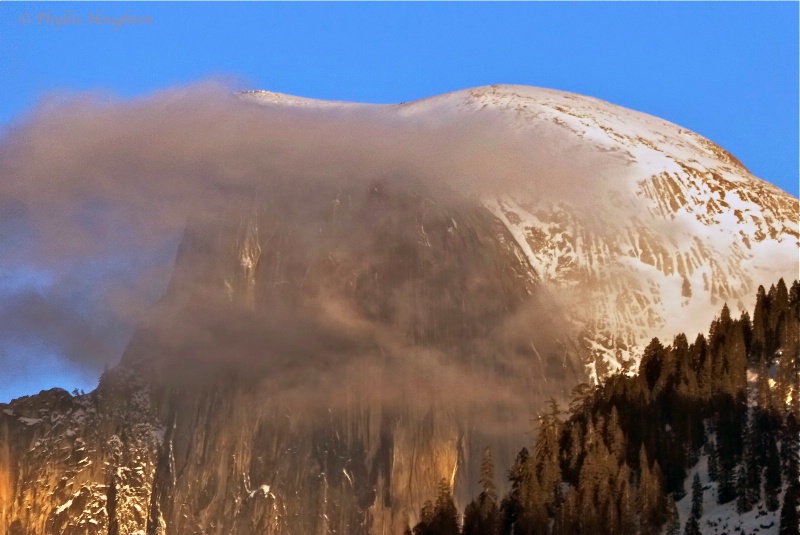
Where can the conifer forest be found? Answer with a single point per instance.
(618, 459)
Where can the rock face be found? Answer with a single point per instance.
(81, 464)
(320, 362)
(642, 227)
(347, 375)
(660, 230)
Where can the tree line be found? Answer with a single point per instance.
(617, 459)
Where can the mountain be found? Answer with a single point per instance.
(325, 354)
(660, 229)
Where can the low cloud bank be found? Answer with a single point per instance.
(97, 192)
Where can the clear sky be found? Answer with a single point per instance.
(728, 71)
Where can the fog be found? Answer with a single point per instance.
(96, 193)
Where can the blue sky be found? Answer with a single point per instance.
(728, 71)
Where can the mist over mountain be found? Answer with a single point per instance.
(364, 297)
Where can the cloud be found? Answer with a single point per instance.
(50, 323)
(376, 257)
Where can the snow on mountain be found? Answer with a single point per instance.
(717, 518)
(635, 226)
(281, 99)
(641, 227)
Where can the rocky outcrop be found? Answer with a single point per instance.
(78, 464)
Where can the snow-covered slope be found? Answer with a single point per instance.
(723, 518)
(641, 227)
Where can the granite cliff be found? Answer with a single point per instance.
(324, 355)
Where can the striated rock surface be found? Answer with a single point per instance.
(82, 464)
(304, 374)
(320, 362)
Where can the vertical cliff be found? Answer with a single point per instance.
(318, 364)
(78, 464)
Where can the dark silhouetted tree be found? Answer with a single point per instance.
(482, 515)
(772, 474)
(516, 504)
(759, 342)
(651, 499)
(425, 524)
(693, 522)
(789, 517)
(441, 518)
(652, 363)
(713, 461)
(547, 470)
(673, 524)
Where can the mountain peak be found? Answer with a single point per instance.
(354, 330)
(641, 226)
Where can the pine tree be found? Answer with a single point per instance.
(673, 525)
(784, 382)
(425, 524)
(652, 505)
(594, 479)
(515, 505)
(701, 363)
(547, 465)
(609, 513)
(727, 483)
(772, 474)
(650, 367)
(730, 425)
(669, 365)
(627, 513)
(573, 453)
(692, 527)
(735, 359)
(472, 519)
(789, 516)
(743, 503)
(688, 382)
(794, 298)
(719, 329)
(760, 313)
(779, 305)
(787, 345)
(763, 392)
(713, 461)
(441, 518)
(790, 449)
(752, 468)
(568, 515)
(644, 494)
(697, 497)
(778, 318)
(693, 523)
(748, 475)
(445, 520)
(486, 480)
(481, 516)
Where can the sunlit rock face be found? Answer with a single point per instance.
(384, 338)
(81, 464)
(325, 354)
(317, 365)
